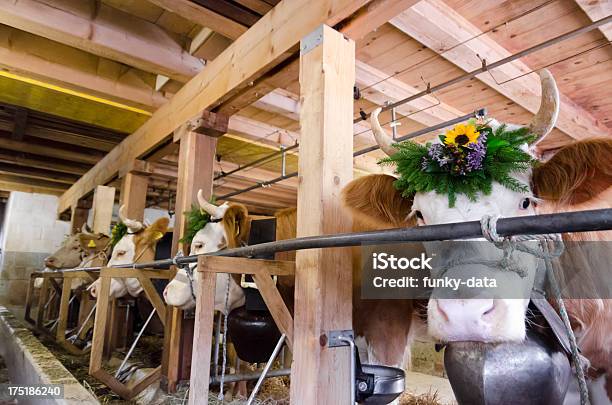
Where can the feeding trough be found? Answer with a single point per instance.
(534, 372)
(377, 385)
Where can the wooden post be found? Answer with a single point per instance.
(103, 201)
(134, 186)
(78, 217)
(195, 172)
(323, 280)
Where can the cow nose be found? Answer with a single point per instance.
(49, 261)
(464, 312)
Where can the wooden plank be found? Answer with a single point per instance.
(267, 44)
(596, 10)
(211, 124)
(154, 297)
(19, 160)
(36, 57)
(202, 338)
(243, 265)
(97, 343)
(62, 320)
(276, 305)
(134, 194)
(14, 183)
(439, 27)
(203, 16)
(323, 277)
(103, 31)
(103, 202)
(48, 151)
(78, 218)
(21, 121)
(37, 174)
(372, 16)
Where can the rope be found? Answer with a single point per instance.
(489, 231)
(222, 380)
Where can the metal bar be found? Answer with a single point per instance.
(257, 161)
(250, 376)
(485, 67)
(277, 348)
(93, 308)
(394, 125)
(129, 353)
(353, 375)
(283, 160)
(358, 153)
(577, 221)
(217, 339)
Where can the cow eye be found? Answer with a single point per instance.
(525, 203)
(120, 252)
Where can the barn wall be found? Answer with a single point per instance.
(30, 232)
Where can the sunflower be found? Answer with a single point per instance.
(462, 135)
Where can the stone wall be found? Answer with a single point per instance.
(30, 232)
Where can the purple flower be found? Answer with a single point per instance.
(438, 153)
(476, 154)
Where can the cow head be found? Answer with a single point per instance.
(77, 247)
(226, 226)
(479, 318)
(136, 245)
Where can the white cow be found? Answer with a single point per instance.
(228, 227)
(138, 245)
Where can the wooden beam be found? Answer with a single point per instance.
(37, 174)
(39, 58)
(258, 130)
(134, 184)
(21, 121)
(596, 10)
(372, 16)
(19, 160)
(15, 183)
(195, 172)
(104, 31)
(203, 16)
(103, 201)
(440, 27)
(47, 151)
(207, 45)
(78, 217)
(267, 43)
(323, 279)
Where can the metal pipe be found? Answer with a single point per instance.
(250, 376)
(283, 160)
(257, 161)
(358, 153)
(394, 124)
(486, 67)
(129, 353)
(277, 348)
(577, 221)
(76, 336)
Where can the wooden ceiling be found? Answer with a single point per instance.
(77, 76)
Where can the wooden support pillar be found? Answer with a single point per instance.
(78, 217)
(195, 172)
(323, 279)
(103, 201)
(134, 184)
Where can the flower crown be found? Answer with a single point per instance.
(196, 220)
(468, 160)
(119, 231)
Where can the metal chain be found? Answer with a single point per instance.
(222, 380)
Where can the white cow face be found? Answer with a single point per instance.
(485, 319)
(130, 249)
(463, 316)
(180, 292)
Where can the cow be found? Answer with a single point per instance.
(579, 176)
(136, 246)
(83, 249)
(228, 227)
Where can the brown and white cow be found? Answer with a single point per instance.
(137, 246)
(577, 178)
(83, 249)
(228, 228)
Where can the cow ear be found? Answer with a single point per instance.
(576, 173)
(155, 231)
(374, 200)
(237, 225)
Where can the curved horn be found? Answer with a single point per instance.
(383, 140)
(133, 225)
(212, 209)
(546, 117)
